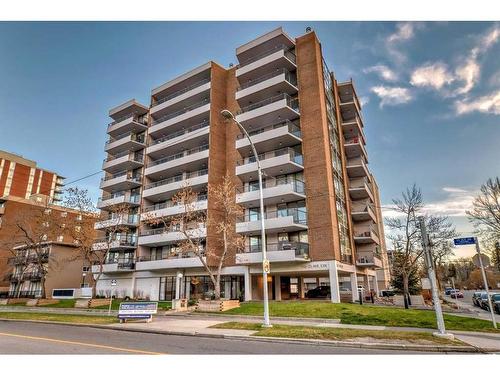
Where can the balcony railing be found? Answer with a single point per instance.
(180, 155)
(132, 157)
(182, 111)
(165, 230)
(289, 77)
(134, 115)
(201, 172)
(352, 141)
(130, 199)
(295, 156)
(293, 128)
(180, 92)
(288, 53)
(291, 102)
(178, 255)
(301, 248)
(26, 294)
(365, 231)
(299, 215)
(123, 240)
(155, 207)
(298, 185)
(34, 275)
(179, 133)
(129, 219)
(121, 174)
(356, 161)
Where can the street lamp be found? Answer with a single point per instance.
(265, 263)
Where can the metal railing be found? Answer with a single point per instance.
(365, 231)
(293, 128)
(179, 255)
(121, 174)
(291, 102)
(132, 157)
(180, 92)
(299, 247)
(299, 215)
(135, 119)
(289, 77)
(26, 294)
(199, 198)
(123, 240)
(368, 259)
(181, 112)
(179, 133)
(180, 155)
(298, 185)
(295, 156)
(165, 230)
(288, 53)
(133, 137)
(187, 176)
(119, 220)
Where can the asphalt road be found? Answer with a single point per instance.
(37, 338)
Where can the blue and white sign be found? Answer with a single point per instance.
(464, 241)
(137, 310)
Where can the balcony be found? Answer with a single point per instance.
(32, 276)
(120, 221)
(356, 167)
(108, 201)
(281, 106)
(353, 127)
(186, 117)
(189, 159)
(288, 220)
(276, 252)
(164, 236)
(170, 208)
(280, 80)
(365, 234)
(37, 293)
(274, 192)
(179, 140)
(125, 160)
(359, 188)
(127, 123)
(121, 241)
(115, 266)
(354, 147)
(120, 181)
(363, 212)
(369, 261)
(146, 263)
(183, 97)
(165, 189)
(285, 133)
(273, 163)
(272, 59)
(125, 142)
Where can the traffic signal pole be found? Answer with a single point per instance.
(485, 281)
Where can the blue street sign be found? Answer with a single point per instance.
(464, 241)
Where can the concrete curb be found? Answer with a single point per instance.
(422, 348)
(274, 318)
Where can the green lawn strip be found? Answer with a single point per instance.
(63, 303)
(363, 314)
(337, 334)
(59, 317)
(115, 305)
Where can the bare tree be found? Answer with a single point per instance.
(191, 221)
(94, 246)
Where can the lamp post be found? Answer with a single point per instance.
(265, 263)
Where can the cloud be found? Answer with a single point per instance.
(484, 104)
(405, 31)
(455, 204)
(383, 72)
(434, 75)
(364, 100)
(392, 95)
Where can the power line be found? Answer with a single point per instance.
(82, 178)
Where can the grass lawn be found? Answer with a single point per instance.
(338, 334)
(62, 303)
(59, 317)
(115, 305)
(363, 314)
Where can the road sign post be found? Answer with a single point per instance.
(113, 284)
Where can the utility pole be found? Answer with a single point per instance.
(432, 278)
(485, 280)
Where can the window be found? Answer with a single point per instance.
(45, 224)
(84, 285)
(79, 218)
(64, 214)
(60, 238)
(254, 214)
(47, 211)
(44, 237)
(86, 269)
(255, 243)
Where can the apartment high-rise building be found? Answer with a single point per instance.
(322, 210)
(20, 177)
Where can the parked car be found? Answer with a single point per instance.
(388, 293)
(455, 293)
(447, 290)
(322, 291)
(476, 298)
(495, 301)
(483, 301)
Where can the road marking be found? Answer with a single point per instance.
(81, 344)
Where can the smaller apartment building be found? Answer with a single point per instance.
(322, 210)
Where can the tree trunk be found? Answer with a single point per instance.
(43, 287)
(217, 289)
(406, 290)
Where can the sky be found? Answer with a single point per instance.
(430, 93)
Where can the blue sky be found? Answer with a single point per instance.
(431, 92)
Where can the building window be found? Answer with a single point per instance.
(60, 238)
(79, 218)
(86, 269)
(64, 214)
(47, 211)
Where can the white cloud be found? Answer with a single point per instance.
(405, 31)
(383, 72)
(434, 75)
(392, 95)
(364, 100)
(484, 104)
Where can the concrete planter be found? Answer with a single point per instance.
(41, 302)
(217, 305)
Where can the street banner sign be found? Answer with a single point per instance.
(113, 282)
(266, 266)
(485, 258)
(137, 310)
(464, 241)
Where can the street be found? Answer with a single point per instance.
(37, 338)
